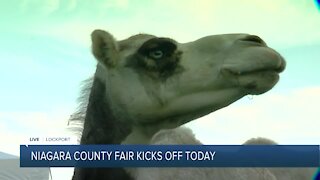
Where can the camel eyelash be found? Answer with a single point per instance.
(155, 45)
(158, 57)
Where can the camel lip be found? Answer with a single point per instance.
(270, 66)
(242, 73)
(238, 71)
(253, 40)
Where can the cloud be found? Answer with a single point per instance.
(51, 6)
(17, 127)
(71, 5)
(119, 4)
(36, 120)
(288, 118)
(42, 7)
(282, 23)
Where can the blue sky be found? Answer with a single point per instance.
(45, 54)
(45, 45)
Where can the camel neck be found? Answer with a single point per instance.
(100, 125)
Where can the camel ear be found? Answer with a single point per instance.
(104, 48)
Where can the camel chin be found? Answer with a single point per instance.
(258, 82)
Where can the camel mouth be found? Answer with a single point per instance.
(277, 68)
(256, 71)
(253, 40)
(257, 79)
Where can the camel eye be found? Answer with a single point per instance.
(157, 54)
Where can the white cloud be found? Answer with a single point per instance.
(43, 7)
(119, 4)
(291, 118)
(50, 6)
(17, 127)
(72, 4)
(281, 23)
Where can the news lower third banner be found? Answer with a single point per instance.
(169, 156)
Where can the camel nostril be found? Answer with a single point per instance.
(254, 39)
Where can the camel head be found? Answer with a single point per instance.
(159, 83)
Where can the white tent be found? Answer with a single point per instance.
(10, 169)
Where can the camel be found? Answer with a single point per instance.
(183, 135)
(145, 84)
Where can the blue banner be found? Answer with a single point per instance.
(169, 156)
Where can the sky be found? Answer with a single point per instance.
(45, 54)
